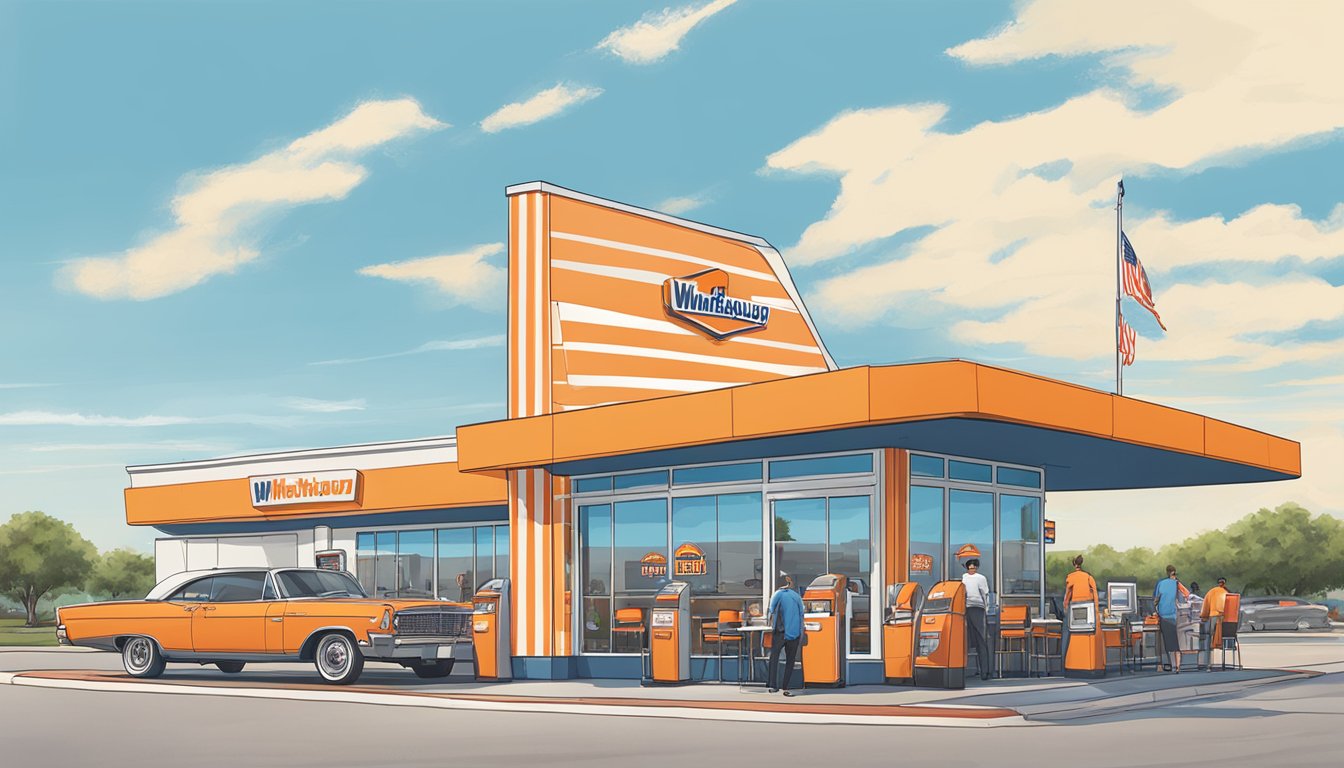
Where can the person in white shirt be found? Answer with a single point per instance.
(977, 599)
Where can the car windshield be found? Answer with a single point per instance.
(319, 584)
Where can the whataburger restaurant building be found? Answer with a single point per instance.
(673, 414)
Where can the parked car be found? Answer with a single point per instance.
(237, 616)
(1259, 613)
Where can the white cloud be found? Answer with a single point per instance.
(313, 405)
(1028, 254)
(429, 346)
(159, 445)
(657, 34)
(465, 277)
(547, 103)
(218, 212)
(680, 205)
(72, 419)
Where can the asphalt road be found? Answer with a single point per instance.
(1294, 724)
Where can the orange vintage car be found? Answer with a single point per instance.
(235, 616)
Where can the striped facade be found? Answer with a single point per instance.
(588, 327)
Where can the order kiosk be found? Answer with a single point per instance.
(670, 634)
(491, 630)
(940, 656)
(898, 632)
(825, 626)
(1086, 656)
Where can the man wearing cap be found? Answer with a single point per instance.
(977, 599)
(1212, 613)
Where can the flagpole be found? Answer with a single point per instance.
(1119, 254)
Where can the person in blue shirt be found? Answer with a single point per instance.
(786, 616)
(1165, 596)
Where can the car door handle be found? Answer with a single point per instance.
(296, 614)
(190, 608)
(208, 608)
(277, 618)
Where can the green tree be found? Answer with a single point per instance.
(122, 573)
(39, 555)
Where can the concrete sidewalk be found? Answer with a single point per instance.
(1008, 702)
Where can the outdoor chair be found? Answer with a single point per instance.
(1014, 623)
(721, 633)
(629, 622)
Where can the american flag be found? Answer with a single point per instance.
(1136, 280)
(1128, 339)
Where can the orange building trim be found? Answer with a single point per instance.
(864, 396)
(392, 489)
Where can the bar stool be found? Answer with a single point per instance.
(629, 622)
(1012, 636)
(1042, 632)
(722, 632)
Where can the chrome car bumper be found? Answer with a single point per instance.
(414, 647)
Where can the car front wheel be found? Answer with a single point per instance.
(433, 669)
(1303, 625)
(231, 667)
(142, 658)
(338, 659)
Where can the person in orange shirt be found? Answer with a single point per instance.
(1212, 612)
(1079, 586)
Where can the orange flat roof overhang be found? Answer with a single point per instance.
(1085, 439)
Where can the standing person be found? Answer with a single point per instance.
(1079, 586)
(1165, 595)
(786, 616)
(1212, 614)
(977, 599)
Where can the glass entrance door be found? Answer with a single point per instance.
(817, 533)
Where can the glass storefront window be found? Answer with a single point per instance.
(740, 545)
(925, 466)
(969, 470)
(926, 535)
(722, 473)
(695, 527)
(456, 577)
(970, 520)
(800, 539)
(385, 570)
(415, 564)
(789, 469)
(1019, 531)
(366, 555)
(592, 484)
(485, 554)
(595, 576)
(849, 532)
(1023, 478)
(649, 480)
(639, 547)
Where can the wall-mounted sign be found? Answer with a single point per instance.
(689, 560)
(920, 563)
(968, 551)
(1049, 531)
(305, 488)
(653, 565)
(331, 560)
(701, 300)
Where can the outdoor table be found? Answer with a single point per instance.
(751, 632)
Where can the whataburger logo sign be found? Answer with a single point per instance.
(701, 300)
(304, 488)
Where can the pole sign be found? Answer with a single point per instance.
(1049, 531)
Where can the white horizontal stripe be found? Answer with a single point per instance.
(783, 305)
(632, 248)
(580, 313)
(688, 357)
(645, 382)
(620, 273)
(655, 278)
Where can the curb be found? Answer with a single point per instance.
(1059, 711)
(974, 718)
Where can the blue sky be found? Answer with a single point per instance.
(206, 204)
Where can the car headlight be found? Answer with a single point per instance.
(387, 619)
